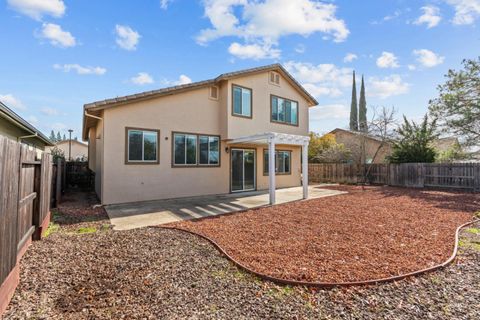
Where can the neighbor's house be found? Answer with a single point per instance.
(18, 129)
(75, 151)
(203, 138)
(354, 142)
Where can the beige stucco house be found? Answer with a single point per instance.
(75, 150)
(355, 142)
(18, 129)
(204, 138)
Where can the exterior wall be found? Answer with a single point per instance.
(192, 112)
(79, 150)
(354, 142)
(13, 132)
(92, 143)
(260, 121)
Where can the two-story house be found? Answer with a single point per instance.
(209, 137)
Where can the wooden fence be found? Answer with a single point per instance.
(464, 176)
(25, 184)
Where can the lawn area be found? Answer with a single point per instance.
(366, 234)
(86, 270)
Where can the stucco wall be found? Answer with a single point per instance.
(12, 132)
(79, 150)
(260, 122)
(193, 112)
(354, 143)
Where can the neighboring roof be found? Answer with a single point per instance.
(98, 105)
(73, 141)
(444, 144)
(369, 136)
(15, 119)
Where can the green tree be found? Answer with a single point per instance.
(52, 136)
(354, 107)
(458, 104)
(59, 137)
(362, 115)
(326, 149)
(64, 137)
(453, 153)
(57, 154)
(415, 142)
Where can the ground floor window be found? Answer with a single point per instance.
(142, 146)
(282, 162)
(193, 149)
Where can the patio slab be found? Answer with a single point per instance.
(152, 213)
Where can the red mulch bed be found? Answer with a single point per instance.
(366, 234)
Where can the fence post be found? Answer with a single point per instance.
(476, 175)
(36, 214)
(58, 185)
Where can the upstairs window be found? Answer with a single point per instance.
(241, 101)
(142, 146)
(214, 93)
(284, 110)
(282, 162)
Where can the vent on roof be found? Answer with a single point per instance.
(274, 78)
(214, 92)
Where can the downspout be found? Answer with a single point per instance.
(26, 137)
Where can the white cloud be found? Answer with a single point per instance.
(264, 23)
(300, 48)
(387, 60)
(49, 111)
(411, 67)
(350, 57)
(57, 36)
(331, 111)
(389, 86)
(12, 102)
(127, 38)
(37, 8)
(428, 58)
(165, 3)
(142, 78)
(253, 51)
(431, 17)
(182, 79)
(32, 119)
(466, 11)
(322, 79)
(80, 69)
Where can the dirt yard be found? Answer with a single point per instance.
(86, 270)
(363, 235)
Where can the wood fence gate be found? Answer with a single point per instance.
(25, 184)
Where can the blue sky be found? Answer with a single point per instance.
(58, 55)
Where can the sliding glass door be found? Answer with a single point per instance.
(242, 170)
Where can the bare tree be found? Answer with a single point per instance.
(382, 127)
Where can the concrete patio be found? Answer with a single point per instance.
(152, 213)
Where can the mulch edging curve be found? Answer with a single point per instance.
(331, 284)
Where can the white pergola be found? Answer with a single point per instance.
(272, 139)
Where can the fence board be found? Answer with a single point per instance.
(414, 175)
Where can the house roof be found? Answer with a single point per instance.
(368, 136)
(73, 141)
(94, 107)
(16, 120)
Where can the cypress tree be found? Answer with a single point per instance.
(59, 137)
(52, 136)
(353, 107)
(362, 113)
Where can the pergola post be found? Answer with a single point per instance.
(305, 169)
(271, 168)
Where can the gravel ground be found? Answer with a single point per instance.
(362, 235)
(85, 270)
